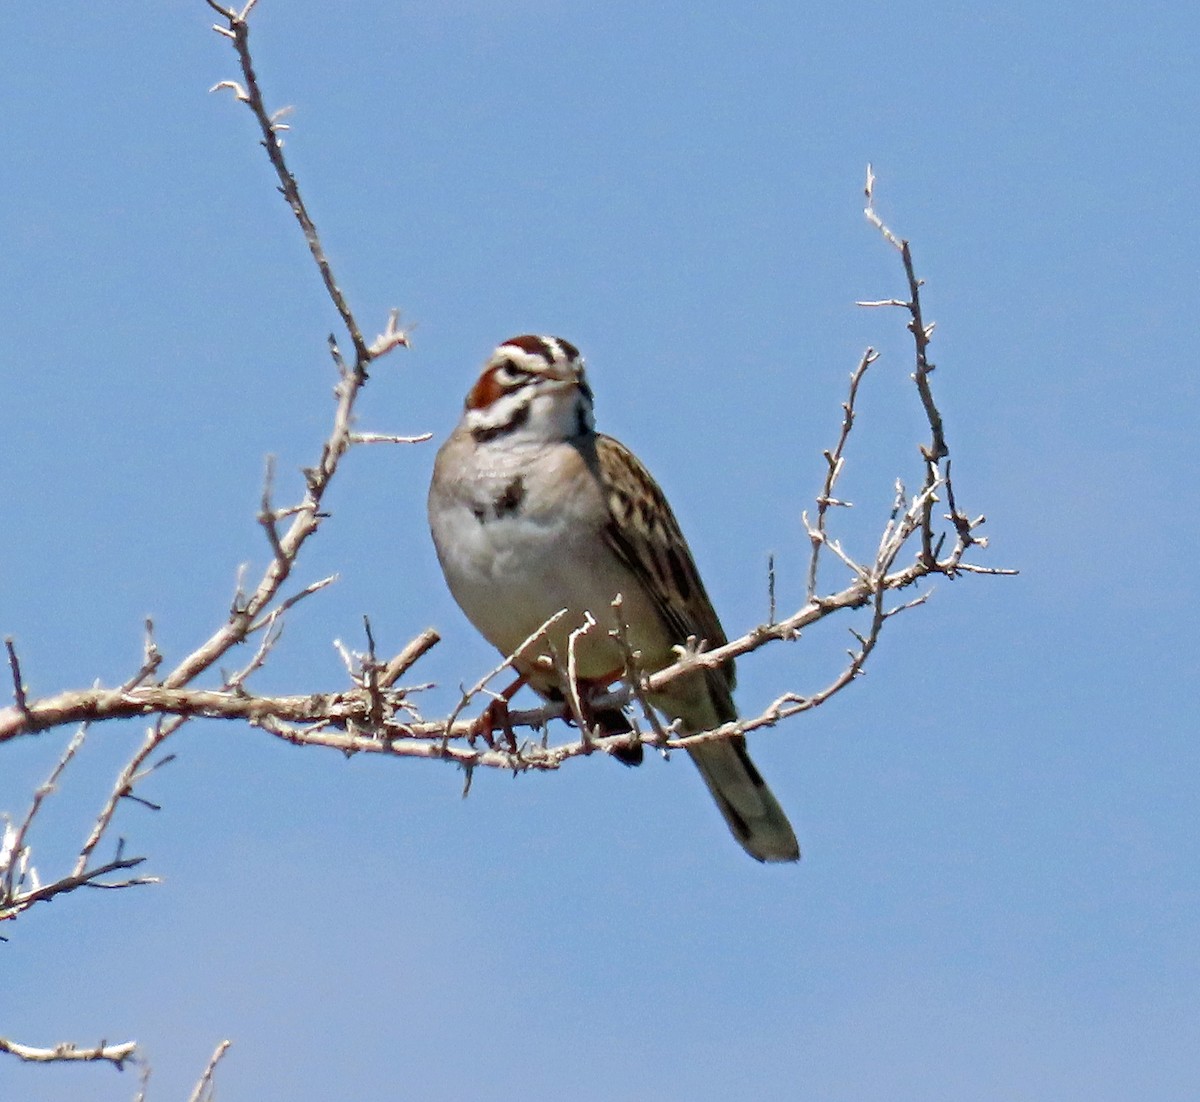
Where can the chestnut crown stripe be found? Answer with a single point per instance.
(551, 349)
(518, 362)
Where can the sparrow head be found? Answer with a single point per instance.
(534, 386)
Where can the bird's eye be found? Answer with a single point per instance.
(507, 374)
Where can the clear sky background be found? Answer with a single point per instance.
(1000, 894)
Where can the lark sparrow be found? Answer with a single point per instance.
(533, 511)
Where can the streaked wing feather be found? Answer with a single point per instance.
(645, 535)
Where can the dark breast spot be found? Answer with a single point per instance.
(509, 500)
(505, 503)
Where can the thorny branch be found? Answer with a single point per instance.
(259, 611)
(936, 472)
(382, 718)
(378, 715)
(375, 714)
(117, 1055)
(834, 461)
(237, 31)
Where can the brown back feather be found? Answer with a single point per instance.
(629, 534)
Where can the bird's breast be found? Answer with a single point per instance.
(518, 542)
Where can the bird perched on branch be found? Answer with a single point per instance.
(532, 512)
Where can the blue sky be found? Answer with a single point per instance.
(1000, 888)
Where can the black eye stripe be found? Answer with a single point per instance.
(508, 373)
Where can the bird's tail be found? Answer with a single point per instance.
(751, 810)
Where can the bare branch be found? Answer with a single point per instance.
(290, 602)
(448, 728)
(203, 1091)
(572, 679)
(834, 463)
(249, 93)
(391, 337)
(326, 719)
(68, 1052)
(635, 675)
(92, 878)
(408, 657)
(151, 658)
(374, 716)
(143, 1083)
(123, 787)
(14, 856)
(269, 520)
(14, 666)
(937, 449)
(248, 612)
(388, 438)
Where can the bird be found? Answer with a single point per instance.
(534, 512)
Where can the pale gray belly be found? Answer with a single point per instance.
(512, 572)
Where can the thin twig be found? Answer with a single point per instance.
(305, 517)
(635, 675)
(937, 449)
(290, 602)
(14, 666)
(368, 718)
(388, 438)
(92, 878)
(204, 1088)
(834, 464)
(269, 520)
(251, 95)
(151, 658)
(574, 699)
(16, 856)
(509, 662)
(771, 588)
(408, 657)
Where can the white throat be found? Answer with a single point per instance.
(543, 412)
